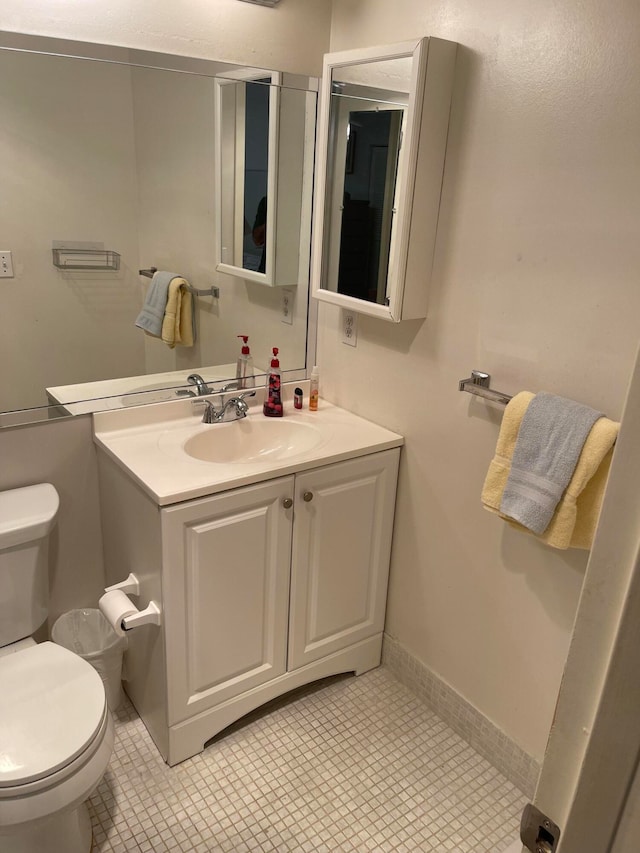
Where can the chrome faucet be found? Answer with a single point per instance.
(236, 404)
(201, 385)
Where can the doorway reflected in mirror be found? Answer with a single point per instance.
(367, 208)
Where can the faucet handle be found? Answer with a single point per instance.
(242, 407)
(209, 415)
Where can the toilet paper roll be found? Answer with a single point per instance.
(115, 606)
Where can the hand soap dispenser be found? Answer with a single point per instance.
(244, 368)
(273, 395)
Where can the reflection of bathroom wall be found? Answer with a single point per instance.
(93, 151)
(174, 134)
(61, 452)
(67, 172)
(174, 138)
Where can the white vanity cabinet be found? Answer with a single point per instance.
(263, 588)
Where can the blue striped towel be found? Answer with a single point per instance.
(152, 314)
(550, 440)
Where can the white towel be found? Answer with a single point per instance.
(152, 315)
(549, 443)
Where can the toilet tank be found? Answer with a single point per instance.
(27, 516)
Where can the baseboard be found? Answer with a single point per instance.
(485, 737)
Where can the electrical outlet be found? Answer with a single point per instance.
(6, 264)
(287, 307)
(349, 328)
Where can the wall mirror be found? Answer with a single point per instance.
(382, 136)
(111, 152)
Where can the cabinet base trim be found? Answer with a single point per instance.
(188, 738)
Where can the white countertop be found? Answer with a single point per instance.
(84, 397)
(148, 443)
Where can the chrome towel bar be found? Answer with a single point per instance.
(208, 291)
(478, 383)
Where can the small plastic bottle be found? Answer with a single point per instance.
(244, 367)
(297, 398)
(273, 396)
(314, 389)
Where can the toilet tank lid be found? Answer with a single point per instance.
(27, 514)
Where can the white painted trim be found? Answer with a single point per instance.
(595, 737)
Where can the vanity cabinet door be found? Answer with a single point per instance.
(340, 556)
(226, 562)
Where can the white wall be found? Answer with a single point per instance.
(535, 282)
(628, 834)
(291, 37)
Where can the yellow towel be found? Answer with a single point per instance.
(177, 326)
(574, 522)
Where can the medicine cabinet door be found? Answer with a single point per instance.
(381, 140)
(265, 135)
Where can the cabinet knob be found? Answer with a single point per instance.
(287, 503)
(307, 496)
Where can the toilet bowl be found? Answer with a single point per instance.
(56, 733)
(56, 745)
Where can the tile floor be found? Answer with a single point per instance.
(359, 764)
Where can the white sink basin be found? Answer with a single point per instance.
(251, 440)
(174, 457)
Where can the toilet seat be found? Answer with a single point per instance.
(37, 791)
(52, 707)
(54, 796)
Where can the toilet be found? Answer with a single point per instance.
(56, 733)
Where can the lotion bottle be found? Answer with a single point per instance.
(244, 367)
(314, 382)
(273, 395)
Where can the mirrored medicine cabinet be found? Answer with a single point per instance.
(264, 164)
(384, 116)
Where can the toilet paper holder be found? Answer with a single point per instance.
(151, 615)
